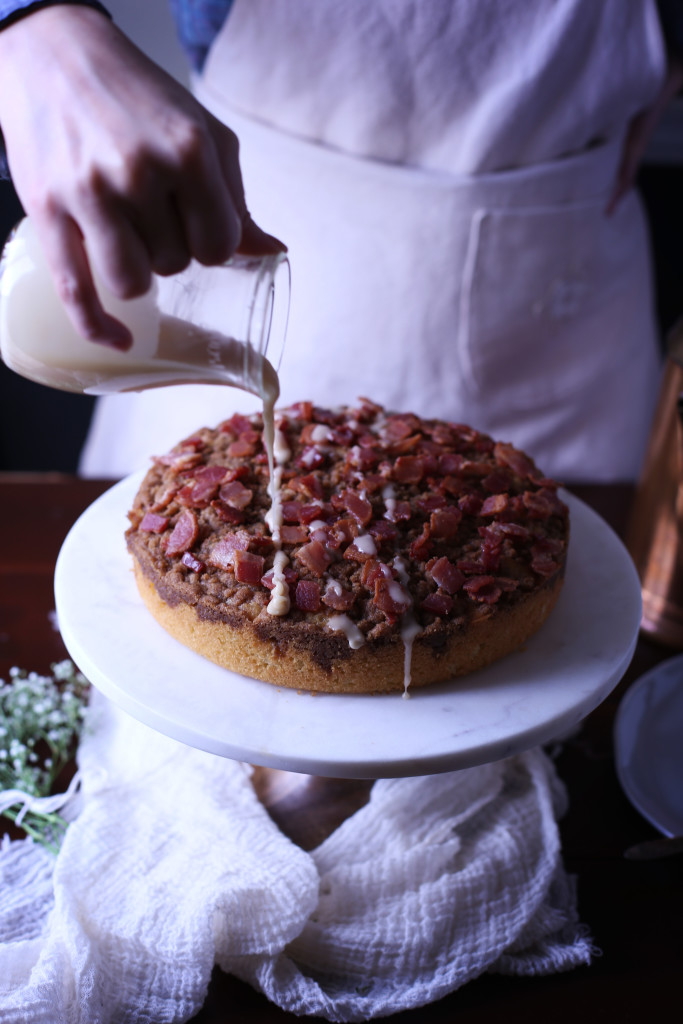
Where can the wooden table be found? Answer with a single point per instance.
(634, 910)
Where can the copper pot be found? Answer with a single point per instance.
(655, 533)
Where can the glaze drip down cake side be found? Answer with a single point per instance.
(390, 550)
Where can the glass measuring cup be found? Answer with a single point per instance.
(216, 325)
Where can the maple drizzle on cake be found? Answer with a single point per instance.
(382, 527)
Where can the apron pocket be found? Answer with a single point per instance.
(538, 300)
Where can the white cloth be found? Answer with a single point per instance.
(440, 172)
(173, 865)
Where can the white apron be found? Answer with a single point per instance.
(427, 275)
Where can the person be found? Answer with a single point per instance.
(451, 181)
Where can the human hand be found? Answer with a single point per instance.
(109, 152)
(640, 132)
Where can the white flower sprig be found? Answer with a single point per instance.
(41, 720)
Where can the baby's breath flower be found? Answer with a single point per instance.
(41, 718)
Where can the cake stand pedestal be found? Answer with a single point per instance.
(528, 698)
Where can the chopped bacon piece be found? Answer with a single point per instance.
(309, 484)
(307, 596)
(542, 562)
(429, 502)
(291, 511)
(453, 485)
(446, 575)
(360, 549)
(497, 482)
(183, 535)
(408, 469)
(343, 436)
(293, 534)
(399, 511)
(438, 604)
(338, 597)
(502, 530)
(237, 473)
(316, 433)
(164, 498)
(483, 589)
(200, 493)
(491, 546)
(421, 547)
(383, 532)
(398, 427)
(407, 445)
(214, 474)
(372, 482)
(314, 556)
(391, 598)
(507, 455)
(179, 460)
(309, 513)
(345, 530)
(241, 449)
(442, 434)
(372, 570)
(444, 523)
(470, 504)
(471, 467)
(310, 458)
(191, 562)
(226, 513)
(261, 543)
(235, 494)
(470, 566)
(302, 410)
(290, 575)
(450, 462)
(368, 407)
(494, 505)
(222, 554)
(237, 424)
(359, 507)
(364, 457)
(553, 545)
(327, 416)
(543, 504)
(248, 567)
(324, 535)
(153, 523)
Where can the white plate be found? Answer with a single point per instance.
(564, 672)
(648, 738)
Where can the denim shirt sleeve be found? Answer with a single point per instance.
(198, 22)
(12, 10)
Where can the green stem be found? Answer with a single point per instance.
(31, 823)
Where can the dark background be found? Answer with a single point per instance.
(40, 428)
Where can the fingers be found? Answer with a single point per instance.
(161, 228)
(632, 152)
(640, 132)
(252, 240)
(210, 196)
(67, 260)
(256, 242)
(132, 233)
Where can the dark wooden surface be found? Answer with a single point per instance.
(634, 910)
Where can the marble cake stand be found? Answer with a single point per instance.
(530, 697)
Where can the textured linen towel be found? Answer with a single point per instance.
(172, 865)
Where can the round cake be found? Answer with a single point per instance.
(390, 551)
